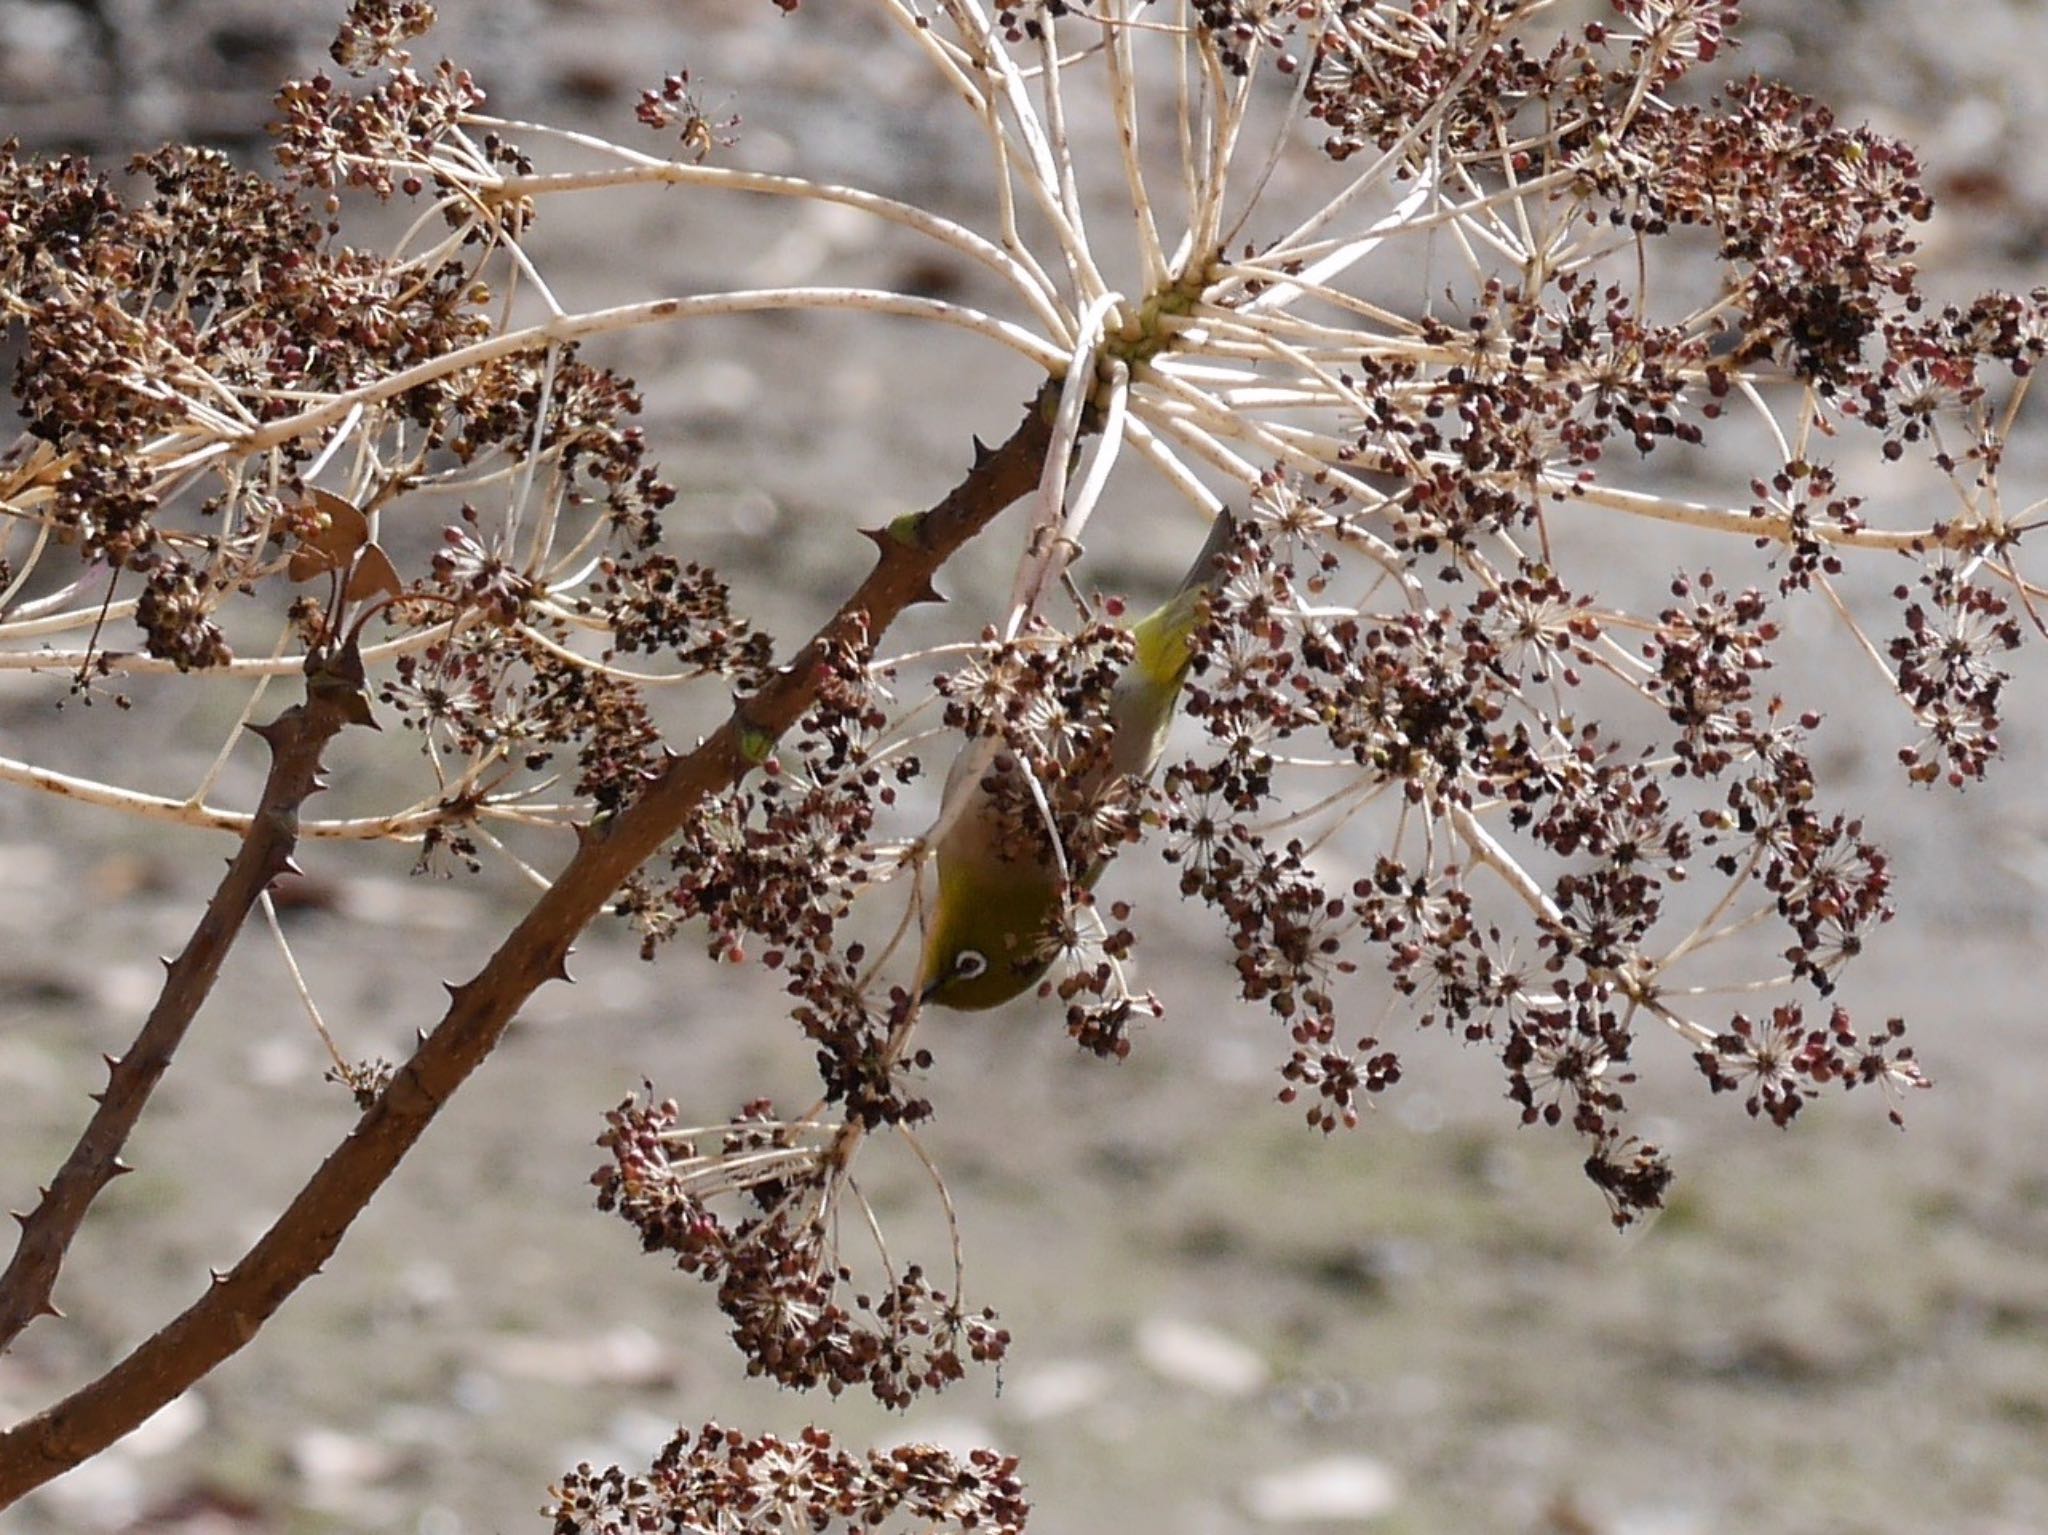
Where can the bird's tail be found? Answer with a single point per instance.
(1163, 635)
(1207, 571)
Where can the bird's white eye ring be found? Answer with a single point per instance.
(969, 964)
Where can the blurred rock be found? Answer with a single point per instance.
(127, 989)
(1659, 1521)
(26, 1066)
(426, 1286)
(333, 1466)
(479, 1393)
(204, 1511)
(105, 1493)
(296, 895)
(429, 906)
(624, 1356)
(719, 387)
(821, 235)
(1342, 1489)
(1057, 1389)
(281, 1060)
(1200, 1358)
(121, 875)
(28, 867)
(169, 1427)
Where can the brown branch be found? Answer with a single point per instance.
(297, 738)
(306, 1234)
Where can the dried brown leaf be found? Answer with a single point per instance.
(374, 573)
(344, 530)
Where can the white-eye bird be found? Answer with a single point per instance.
(999, 884)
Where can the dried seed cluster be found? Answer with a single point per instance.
(723, 1480)
(1438, 709)
(795, 1315)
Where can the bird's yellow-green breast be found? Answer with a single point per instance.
(988, 928)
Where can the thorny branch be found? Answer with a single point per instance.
(305, 1235)
(297, 738)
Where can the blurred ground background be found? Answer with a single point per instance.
(1422, 1328)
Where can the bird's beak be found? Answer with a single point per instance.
(931, 989)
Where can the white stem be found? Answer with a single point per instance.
(299, 983)
(1042, 549)
(129, 663)
(578, 327)
(1031, 286)
(57, 623)
(1719, 519)
(28, 565)
(1502, 862)
(1340, 260)
(1124, 113)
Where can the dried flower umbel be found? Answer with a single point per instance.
(780, 1278)
(726, 1481)
(1568, 798)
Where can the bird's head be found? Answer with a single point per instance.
(985, 943)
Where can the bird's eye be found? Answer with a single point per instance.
(968, 964)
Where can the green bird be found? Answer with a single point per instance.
(999, 883)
